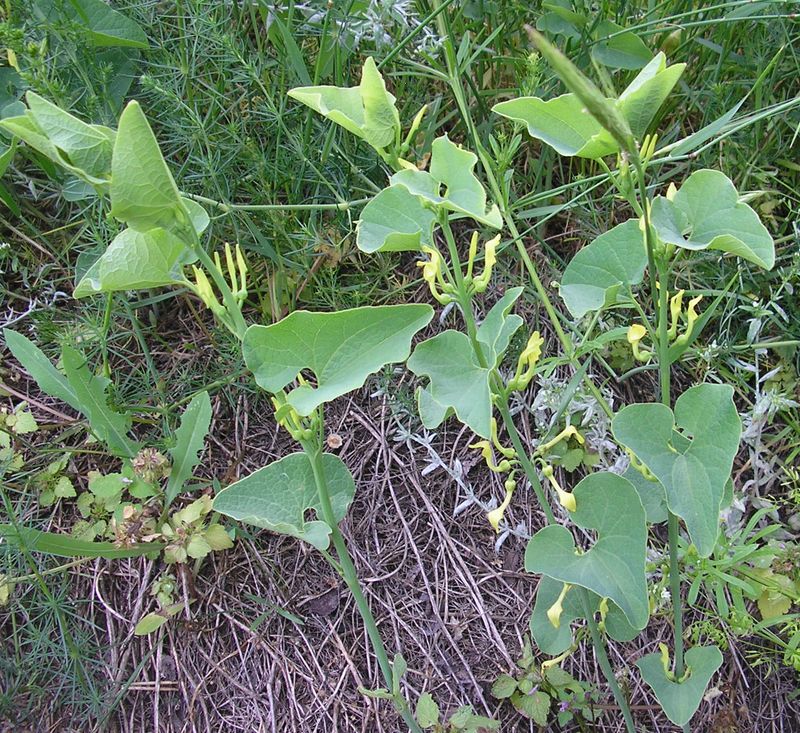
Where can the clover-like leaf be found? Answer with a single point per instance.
(691, 453)
(368, 110)
(706, 213)
(451, 183)
(612, 262)
(341, 349)
(278, 496)
(395, 220)
(82, 149)
(499, 326)
(566, 125)
(457, 382)
(680, 700)
(143, 192)
(553, 640)
(614, 566)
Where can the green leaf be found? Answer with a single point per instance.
(149, 623)
(691, 453)
(394, 220)
(644, 96)
(136, 261)
(7, 153)
(624, 50)
(50, 380)
(504, 687)
(106, 486)
(566, 125)
(451, 169)
(83, 149)
(563, 123)
(52, 543)
(706, 214)
(457, 381)
(498, 327)
(535, 705)
(278, 496)
(612, 262)
(109, 426)
(427, 713)
(614, 567)
(681, 700)
(368, 110)
(143, 192)
(189, 440)
(103, 25)
(341, 349)
(431, 413)
(651, 494)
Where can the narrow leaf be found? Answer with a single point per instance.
(190, 438)
(52, 543)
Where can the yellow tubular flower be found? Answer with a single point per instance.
(507, 452)
(691, 317)
(675, 308)
(241, 263)
(481, 282)
(473, 251)
(231, 267)
(635, 334)
(432, 272)
(567, 433)
(555, 611)
(485, 448)
(555, 661)
(565, 498)
(496, 515)
(527, 362)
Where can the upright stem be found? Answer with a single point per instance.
(350, 576)
(605, 664)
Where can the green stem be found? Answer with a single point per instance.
(227, 208)
(350, 576)
(605, 664)
(522, 456)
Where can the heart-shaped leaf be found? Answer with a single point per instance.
(101, 25)
(143, 192)
(706, 213)
(565, 124)
(553, 640)
(136, 261)
(457, 382)
(395, 220)
(451, 183)
(681, 700)
(341, 349)
(652, 495)
(499, 326)
(614, 566)
(277, 497)
(612, 262)
(368, 110)
(691, 453)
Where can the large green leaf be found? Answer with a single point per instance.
(680, 700)
(691, 453)
(103, 25)
(143, 192)
(90, 391)
(614, 566)
(50, 380)
(135, 261)
(613, 261)
(457, 382)
(341, 349)
(499, 326)
(566, 125)
(706, 214)
(62, 545)
(367, 110)
(278, 496)
(395, 220)
(618, 48)
(189, 440)
(451, 183)
(82, 149)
